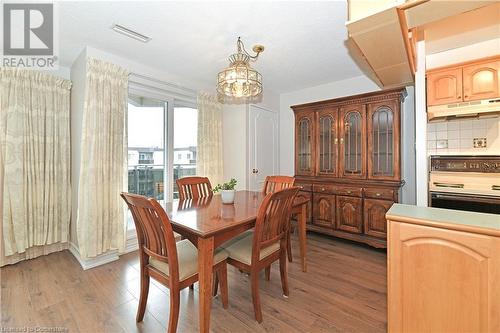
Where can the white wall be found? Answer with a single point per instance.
(235, 135)
(353, 86)
(480, 50)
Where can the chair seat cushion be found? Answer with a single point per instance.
(240, 248)
(187, 255)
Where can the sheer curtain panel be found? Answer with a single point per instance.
(103, 168)
(209, 161)
(35, 200)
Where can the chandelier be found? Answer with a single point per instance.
(239, 79)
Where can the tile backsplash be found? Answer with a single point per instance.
(456, 137)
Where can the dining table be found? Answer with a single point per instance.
(208, 223)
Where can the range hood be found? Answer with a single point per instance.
(464, 109)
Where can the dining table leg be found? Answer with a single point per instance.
(205, 264)
(302, 235)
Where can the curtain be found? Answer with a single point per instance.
(209, 162)
(35, 200)
(100, 219)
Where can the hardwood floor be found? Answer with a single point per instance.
(344, 290)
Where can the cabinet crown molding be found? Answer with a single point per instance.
(376, 96)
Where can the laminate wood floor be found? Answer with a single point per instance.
(344, 290)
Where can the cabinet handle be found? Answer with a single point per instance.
(341, 141)
(323, 189)
(460, 96)
(349, 192)
(377, 194)
(336, 141)
(466, 96)
(301, 187)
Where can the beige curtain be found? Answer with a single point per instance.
(100, 220)
(209, 161)
(35, 200)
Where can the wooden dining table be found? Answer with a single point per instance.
(208, 223)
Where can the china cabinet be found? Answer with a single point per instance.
(347, 162)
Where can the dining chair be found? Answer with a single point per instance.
(255, 250)
(194, 187)
(273, 184)
(175, 265)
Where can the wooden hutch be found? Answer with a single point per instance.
(347, 162)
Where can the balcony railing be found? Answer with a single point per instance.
(147, 179)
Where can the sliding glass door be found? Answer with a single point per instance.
(146, 146)
(185, 144)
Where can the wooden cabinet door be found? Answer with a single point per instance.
(444, 86)
(442, 280)
(383, 140)
(352, 132)
(304, 143)
(327, 139)
(350, 214)
(324, 210)
(481, 81)
(374, 217)
(307, 195)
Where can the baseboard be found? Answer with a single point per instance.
(102, 259)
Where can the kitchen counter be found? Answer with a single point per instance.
(488, 224)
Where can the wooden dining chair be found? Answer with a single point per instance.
(194, 187)
(273, 184)
(175, 265)
(255, 250)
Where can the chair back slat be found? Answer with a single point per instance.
(154, 232)
(277, 183)
(273, 219)
(194, 187)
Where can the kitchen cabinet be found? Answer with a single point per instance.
(470, 81)
(443, 270)
(346, 155)
(350, 214)
(481, 81)
(444, 86)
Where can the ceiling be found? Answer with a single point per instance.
(305, 41)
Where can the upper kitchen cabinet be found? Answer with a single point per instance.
(304, 143)
(444, 86)
(481, 81)
(474, 80)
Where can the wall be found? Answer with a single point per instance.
(353, 86)
(479, 50)
(235, 133)
(458, 136)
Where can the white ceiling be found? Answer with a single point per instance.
(304, 40)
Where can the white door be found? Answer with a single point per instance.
(263, 145)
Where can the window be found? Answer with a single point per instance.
(185, 143)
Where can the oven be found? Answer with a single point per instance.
(462, 201)
(470, 183)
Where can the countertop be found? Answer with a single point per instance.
(446, 218)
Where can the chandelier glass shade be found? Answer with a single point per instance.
(239, 79)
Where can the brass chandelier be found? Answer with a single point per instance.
(239, 79)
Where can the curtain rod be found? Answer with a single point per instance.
(173, 85)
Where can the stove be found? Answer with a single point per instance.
(465, 183)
